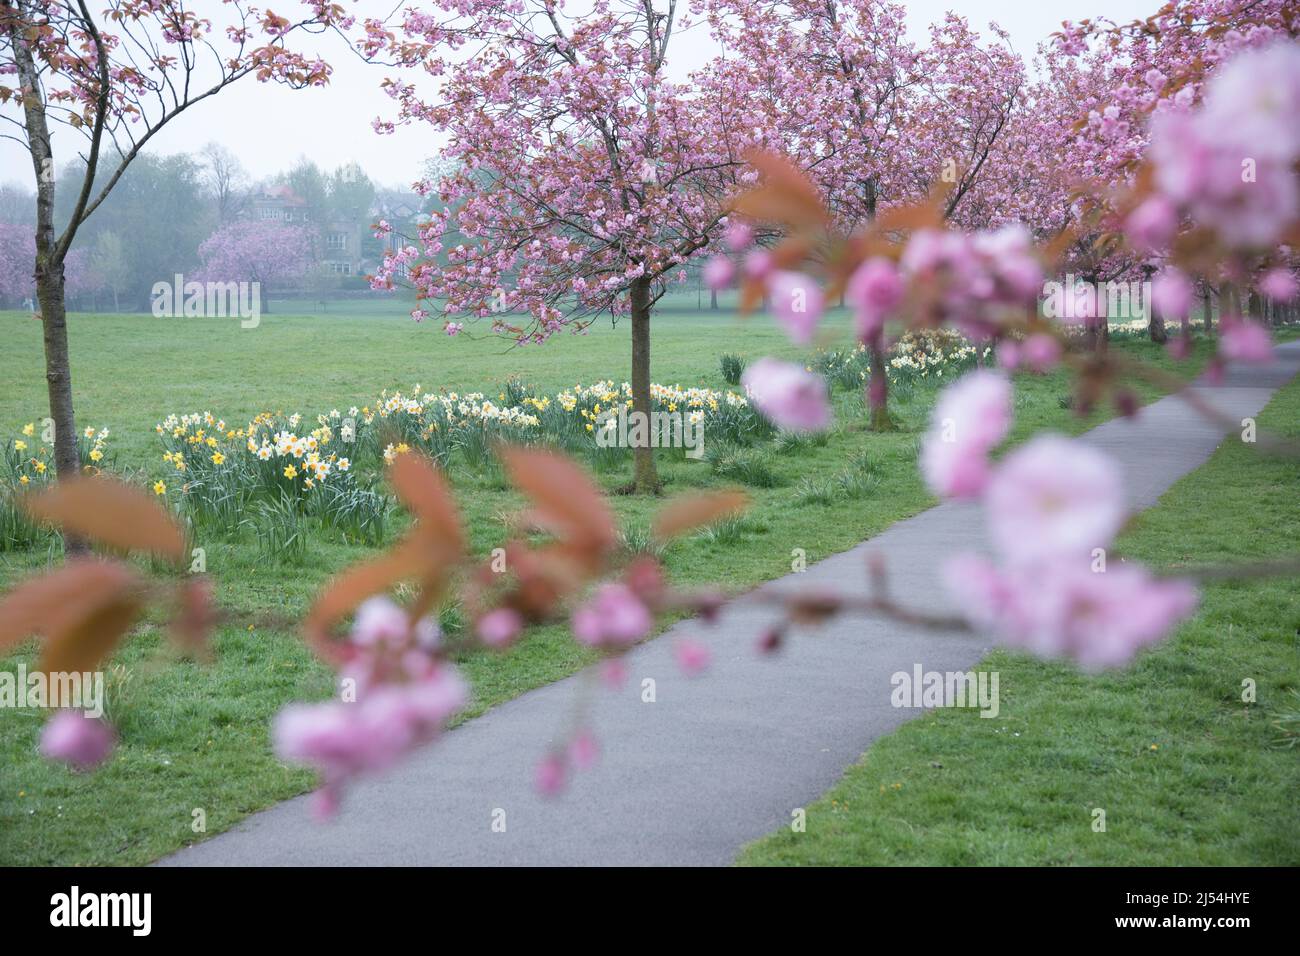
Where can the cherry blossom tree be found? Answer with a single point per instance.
(875, 121)
(115, 78)
(583, 179)
(252, 250)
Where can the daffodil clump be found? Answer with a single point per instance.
(271, 452)
(939, 353)
(919, 357)
(440, 423)
(726, 416)
(29, 455)
(28, 464)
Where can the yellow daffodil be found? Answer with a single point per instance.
(218, 458)
(159, 488)
(29, 429)
(290, 471)
(20, 445)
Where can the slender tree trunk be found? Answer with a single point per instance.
(645, 480)
(1209, 312)
(58, 375)
(1094, 323)
(713, 299)
(51, 289)
(1155, 321)
(878, 388)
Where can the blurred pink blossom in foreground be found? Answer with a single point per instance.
(396, 695)
(970, 418)
(1053, 506)
(1066, 609)
(792, 397)
(78, 740)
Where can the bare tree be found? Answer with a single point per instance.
(117, 90)
(226, 178)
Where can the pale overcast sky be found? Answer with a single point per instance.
(269, 127)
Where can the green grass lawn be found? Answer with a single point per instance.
(1186, 772)
(196, 736)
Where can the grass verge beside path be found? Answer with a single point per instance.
(1187, 774)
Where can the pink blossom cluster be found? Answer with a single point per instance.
(1229, 164)
(396, 694)
(77, 739)
(970, 419)
(1053, 507)
(793, 398)
(976, 277)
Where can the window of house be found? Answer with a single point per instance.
(337, 241)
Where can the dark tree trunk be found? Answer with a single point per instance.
(1209, 313)
(645, 480)
(58, 375)
(1098, 329)
(878, 388)
(1155, 321)
(713, 299)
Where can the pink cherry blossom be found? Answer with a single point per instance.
(969, 419)
(1244, 340)
(499, 628)
(739, 235)
(550, 776)
(1053, 497)
(613, 672)
(1279, 284)
(693, 657)
(1065, 609)
(1230, 163)
(379, 620)
(1171, 294)
(1152, 225)
(759, 265)
(719, 272)
(583, 750)
(792, 397)
(614, 617)
(873, 291)
(81, 741)
(401, 695)
(797, 302)
(1041, 352)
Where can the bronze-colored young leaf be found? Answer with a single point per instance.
(565, 499)
(421, 487)
(692, 511)
(90, 638)
(923, 215)
(194, 617)
(784, 195)
(51, 602)
(110, 512)
(410, 558)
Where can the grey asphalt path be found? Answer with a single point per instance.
(717, 760)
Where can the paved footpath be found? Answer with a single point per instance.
(715, 761)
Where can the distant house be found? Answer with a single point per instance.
(402, 212)
(338, 242)
(280, 204)
(344, 247)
